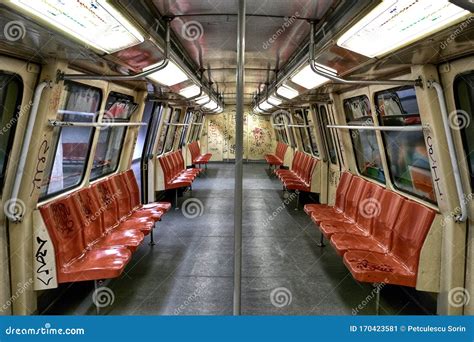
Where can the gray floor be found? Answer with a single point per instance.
(189, 270)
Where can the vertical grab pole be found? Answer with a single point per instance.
(239, 141)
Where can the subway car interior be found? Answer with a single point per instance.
(237, 157)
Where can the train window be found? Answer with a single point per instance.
(366, 148)
(194, 126)
(328, 135)
(188, 119)
(172, 130)
(407, 155)
(119, 108)
(71, 145)
(11, 90)
(280, 121)
(164, 130)
(311, 132)
(301, 120)
(464, 96)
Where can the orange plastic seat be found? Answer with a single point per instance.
(95, 234)
(386, 211)
(132, 187)
(74, 261)
(400, 265)
(279, 156)
(338, 207)
(196, 157)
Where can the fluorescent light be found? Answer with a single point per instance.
(95, 23)
(395, 23)
(202, 99)
(169, 76)
(211, 105)
(287, 92)
(265, 105)
(308, 79)
(191, 91)
(274, 101)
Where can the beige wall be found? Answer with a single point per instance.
(218, 136)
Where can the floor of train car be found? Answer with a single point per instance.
(189, 270)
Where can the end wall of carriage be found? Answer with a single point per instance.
(218, 137)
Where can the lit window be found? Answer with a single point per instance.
(119, 109)
(407, 155)
(71, 145)
(364, 142)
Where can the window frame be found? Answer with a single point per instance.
(327, 133)
(165, 126)
(46, 196)
(176, 111)
(363, 120)
(464, 138)
(131, 98)
(14, 119)
(379, 117)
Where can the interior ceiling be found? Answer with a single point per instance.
(208, 32)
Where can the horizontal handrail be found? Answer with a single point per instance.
(412, 128)
(56, 123)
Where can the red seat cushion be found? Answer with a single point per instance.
(374, 267)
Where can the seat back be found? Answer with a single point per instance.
(91, 215)
(390, 204)
(194, 150)
(63, 224)
(409, 232)
(369, 205)
(296, 161)
(354, 193)
(121, 195)
(132, 187)
(166, 166)
(108, 204)
(281, 150)
(341, 191)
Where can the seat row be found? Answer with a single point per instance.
(379, 233)
(196, 157)
(95, 230)
(278, 158)
(299, 176)
(176, 175)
